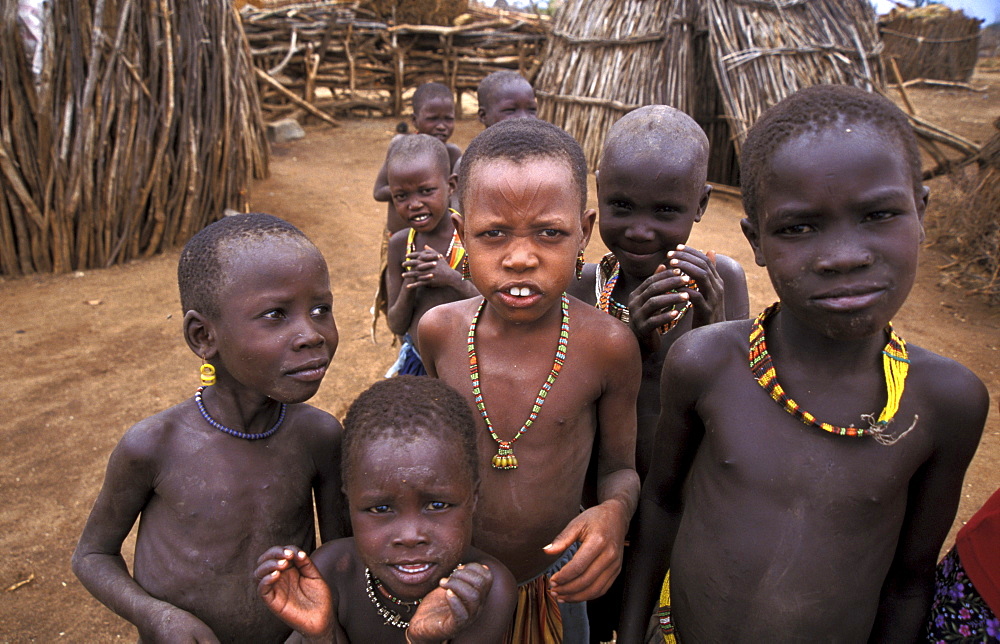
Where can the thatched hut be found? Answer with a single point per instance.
(932, 42)
(722, 61)
(142, 127)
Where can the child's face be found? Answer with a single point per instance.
(420, 191)
(648, 204)
(436, 117)
(523, 229)
(411, 503)
(840, 228)
(512, 100)
(275, 334)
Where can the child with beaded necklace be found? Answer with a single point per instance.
(651, 191)
(522, 186)
(223, 475)
(409, 572)
(784, 504)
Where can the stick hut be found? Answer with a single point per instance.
(142, 127)
(721, 61)
(366, 62)
(931, 42)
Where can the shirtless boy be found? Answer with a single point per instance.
(409, 573)
(425, 259)
(220, 477)
(504, 95)
(775, 527)
(651, 191)
(522, 186)
(434, 115)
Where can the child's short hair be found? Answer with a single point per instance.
(199, 272)
(488, 87)
(520, 140)
(409, 407)
(655, 128)
(427, 92)
(813, 109)
(414, 145)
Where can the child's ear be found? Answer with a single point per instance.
(458, 221)
(452, 184)
(481, 113)
(587, 220)
(752, 233)
(706, 193)
(199, 335)
(925, 193)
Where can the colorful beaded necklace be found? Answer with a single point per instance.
(607, 277)
(391, 617)
(232, 432)
(895, 363)
(505, 459)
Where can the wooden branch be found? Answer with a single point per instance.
(309, 107)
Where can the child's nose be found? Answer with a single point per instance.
(638, 230)
(308, 336)
(845, 252)
(521, 256)
(411, 533)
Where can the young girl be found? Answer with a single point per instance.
(235, 468)
(409, 573)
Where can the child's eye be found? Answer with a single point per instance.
(273, 314)
(881, 215)
(399, 197)
(428, 191)
(379, 509)
(796, 229)
(438, 505)
(619, 204)
(321, 310)
(551, 233)
(491, 234)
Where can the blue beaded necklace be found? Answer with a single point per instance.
(232, 432)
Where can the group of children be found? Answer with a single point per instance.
(490, 501)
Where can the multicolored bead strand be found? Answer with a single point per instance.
(505, 458)
(895, 364)
(607, 276)
(232, 432)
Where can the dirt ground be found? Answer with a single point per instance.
(91, 353)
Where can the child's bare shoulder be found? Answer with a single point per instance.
(337, 560)
(147, 437)
(728, 267)
(594, 323)
(709, 349)
(317, 425)
(449, 315)
(949, 389)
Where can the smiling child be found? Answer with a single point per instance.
(786, 505)
(504, 95)
(425, 258)
(552, 378)
(223, 475)
(651, 191)
(409, 574)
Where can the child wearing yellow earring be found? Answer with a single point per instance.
(219, 478)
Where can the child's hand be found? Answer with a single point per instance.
(428, 267)
(446, 611)
(293, 589)
(175, 625)
(600, 530)
(656, 302)
(708, 302)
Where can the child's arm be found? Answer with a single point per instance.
(473, 595)
(293, 589)
(678, 435)
(402, 299)
(932, 500)
(331, 510)
(430, 268)
(601, 529)
(381, 190)
(97, 561)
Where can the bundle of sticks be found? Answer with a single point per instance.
(364, 62)
(931, 42)
(142, 127)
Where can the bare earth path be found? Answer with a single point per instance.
(88, 355)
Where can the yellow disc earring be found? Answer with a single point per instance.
(207, 375)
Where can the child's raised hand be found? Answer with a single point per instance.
(656, 302)
(428, 267)
(293, 589)
(600, 530)
(708, 302)
(447, 610)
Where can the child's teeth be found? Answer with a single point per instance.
(520, 291)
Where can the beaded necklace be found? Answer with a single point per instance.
(392, 618)
(232, 432)
(895, 364)
(505, 459)
(607, 277)
(455, 252)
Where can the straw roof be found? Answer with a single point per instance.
(610, 56)
(931, 42)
